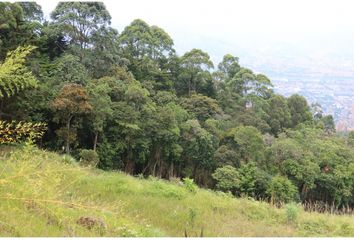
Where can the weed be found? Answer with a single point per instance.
(292, 212)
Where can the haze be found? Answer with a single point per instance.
(268, 36)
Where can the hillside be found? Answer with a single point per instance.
(45, 194)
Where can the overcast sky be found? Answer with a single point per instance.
(244, 27)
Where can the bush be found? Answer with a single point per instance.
(248, 180)
(281, 190)
(190, 185)
(227, 178)
(68, 159)
(292, 212)
(88, 158)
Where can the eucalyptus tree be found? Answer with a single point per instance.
(149, 50)
(194, 71)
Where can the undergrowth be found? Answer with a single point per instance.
(46, 194)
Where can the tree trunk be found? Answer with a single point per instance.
(67, 147)
(130, 164)
(95, 141)
(190, 85)
(171, 171)
(189, 88)
(1, 107)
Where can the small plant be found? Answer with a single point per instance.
(68, 159)
(140, 176)
(292, 212)
(88, 158)
(190, 185)
(192, 215)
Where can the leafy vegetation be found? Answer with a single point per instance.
(44, 194)
(128, 102)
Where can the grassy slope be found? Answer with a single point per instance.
(41, 195)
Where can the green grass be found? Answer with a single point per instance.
(44, 194)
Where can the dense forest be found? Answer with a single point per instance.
(127, 101)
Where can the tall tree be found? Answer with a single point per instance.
(229, 66)
(71, 101)
(299, 109)
(102, 106)
(148, 49)
(80, 21)
(279, 114)
(194, 70)
(19, 25)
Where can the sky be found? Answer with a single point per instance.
(277, 33)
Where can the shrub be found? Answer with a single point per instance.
(68, 159)
(190, 185)
(248, 180)
(227, 178)
(88, 158)
(281, 190)
(292, 212)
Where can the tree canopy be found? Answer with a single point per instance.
(128, 101)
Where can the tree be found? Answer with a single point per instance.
(250, 143)
(226, 155)
(229, 66)
(279, 114)
(68, 69)
(101, 106)
(299, 109)
(227, 178)
(247, 180)
(105, 54)
(19, 25)
(31, 11)
(140, 40)
(195, 65)
(80, 20)
(198, 148)
(71, 101)
(202, 107)
(148, 49)
(281, 190)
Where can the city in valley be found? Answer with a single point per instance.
(335, 96)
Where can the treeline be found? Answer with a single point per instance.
(129, 100)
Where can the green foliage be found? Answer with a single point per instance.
(247, 180)
(14, 75)
(190, 185)
(42, 196)
(148, 111)
(202, 107)
(227, 178)
(194, 72)
(281, 190)
(250, 143)
(299, 109)
(292, 212)
(69, 69)
(88, 158)
(279, 114)
(80, 20)
(19, 26)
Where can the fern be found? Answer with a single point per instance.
(14, 75)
